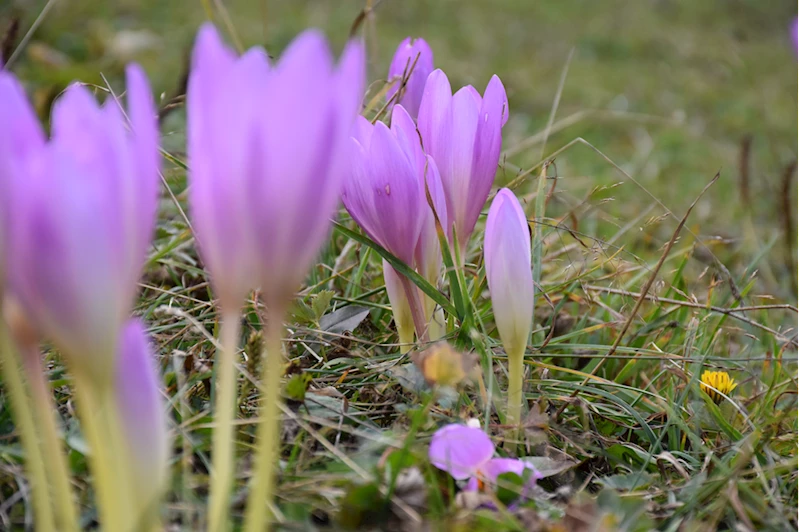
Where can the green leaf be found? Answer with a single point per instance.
(627, 482)
(320, 302)
(509, 487)
(400, 266)
(731, 432)
(297, 385)
(362, 504)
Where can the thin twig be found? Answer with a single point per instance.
(27, 37)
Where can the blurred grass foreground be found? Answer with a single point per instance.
(631, 108)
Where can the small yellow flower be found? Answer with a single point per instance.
(714, 382)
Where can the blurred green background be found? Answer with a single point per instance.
(668, 90)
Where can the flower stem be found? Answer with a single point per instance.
(97, 408)
(23, 417)
(268, 436)
(436, 324)
(405, 335)
(52, 450)
(223, 437)
(515, 384)
(417, 309)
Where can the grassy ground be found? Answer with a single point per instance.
(664, 94)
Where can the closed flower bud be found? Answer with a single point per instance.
(82, 210)
(413, 61)
(510, 282)
(268, 150)
(142, 417)
(463, 133)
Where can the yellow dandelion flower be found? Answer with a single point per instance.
(715, 383)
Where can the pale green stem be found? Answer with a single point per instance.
(436, 326)
(417, 310)
(52, 449)
(223, 437)
(100, 425)
(258, 517)
(405, 332)
(515, 385)
(23, 417)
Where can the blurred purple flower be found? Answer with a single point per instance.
(465, 452)
(795, 34)
(463, 133)
(141, 411)
(20, 136)
(404, 58)
(268, 153)
(82, 210)
(508, 270)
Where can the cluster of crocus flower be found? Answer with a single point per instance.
(78, 211)
(412, 178)
(433, 167)
(467, 454)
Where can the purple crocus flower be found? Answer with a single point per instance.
(466, 453)
(83, 208)
(795, 34)
(268, 153)
(386, 195)
(404, 58)
(141, 412)
(463, 133)
(510, 282)
(508, 270)
(20, 135)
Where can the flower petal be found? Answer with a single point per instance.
(404, 59)
(141, 412)
(460, 450)
(508, 270)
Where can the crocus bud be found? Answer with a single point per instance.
(405, 59)
(20, 135)
(463, 133)
(268, 152)
(83, 209)
(510, 282)
(142, 416)
(508, 270)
